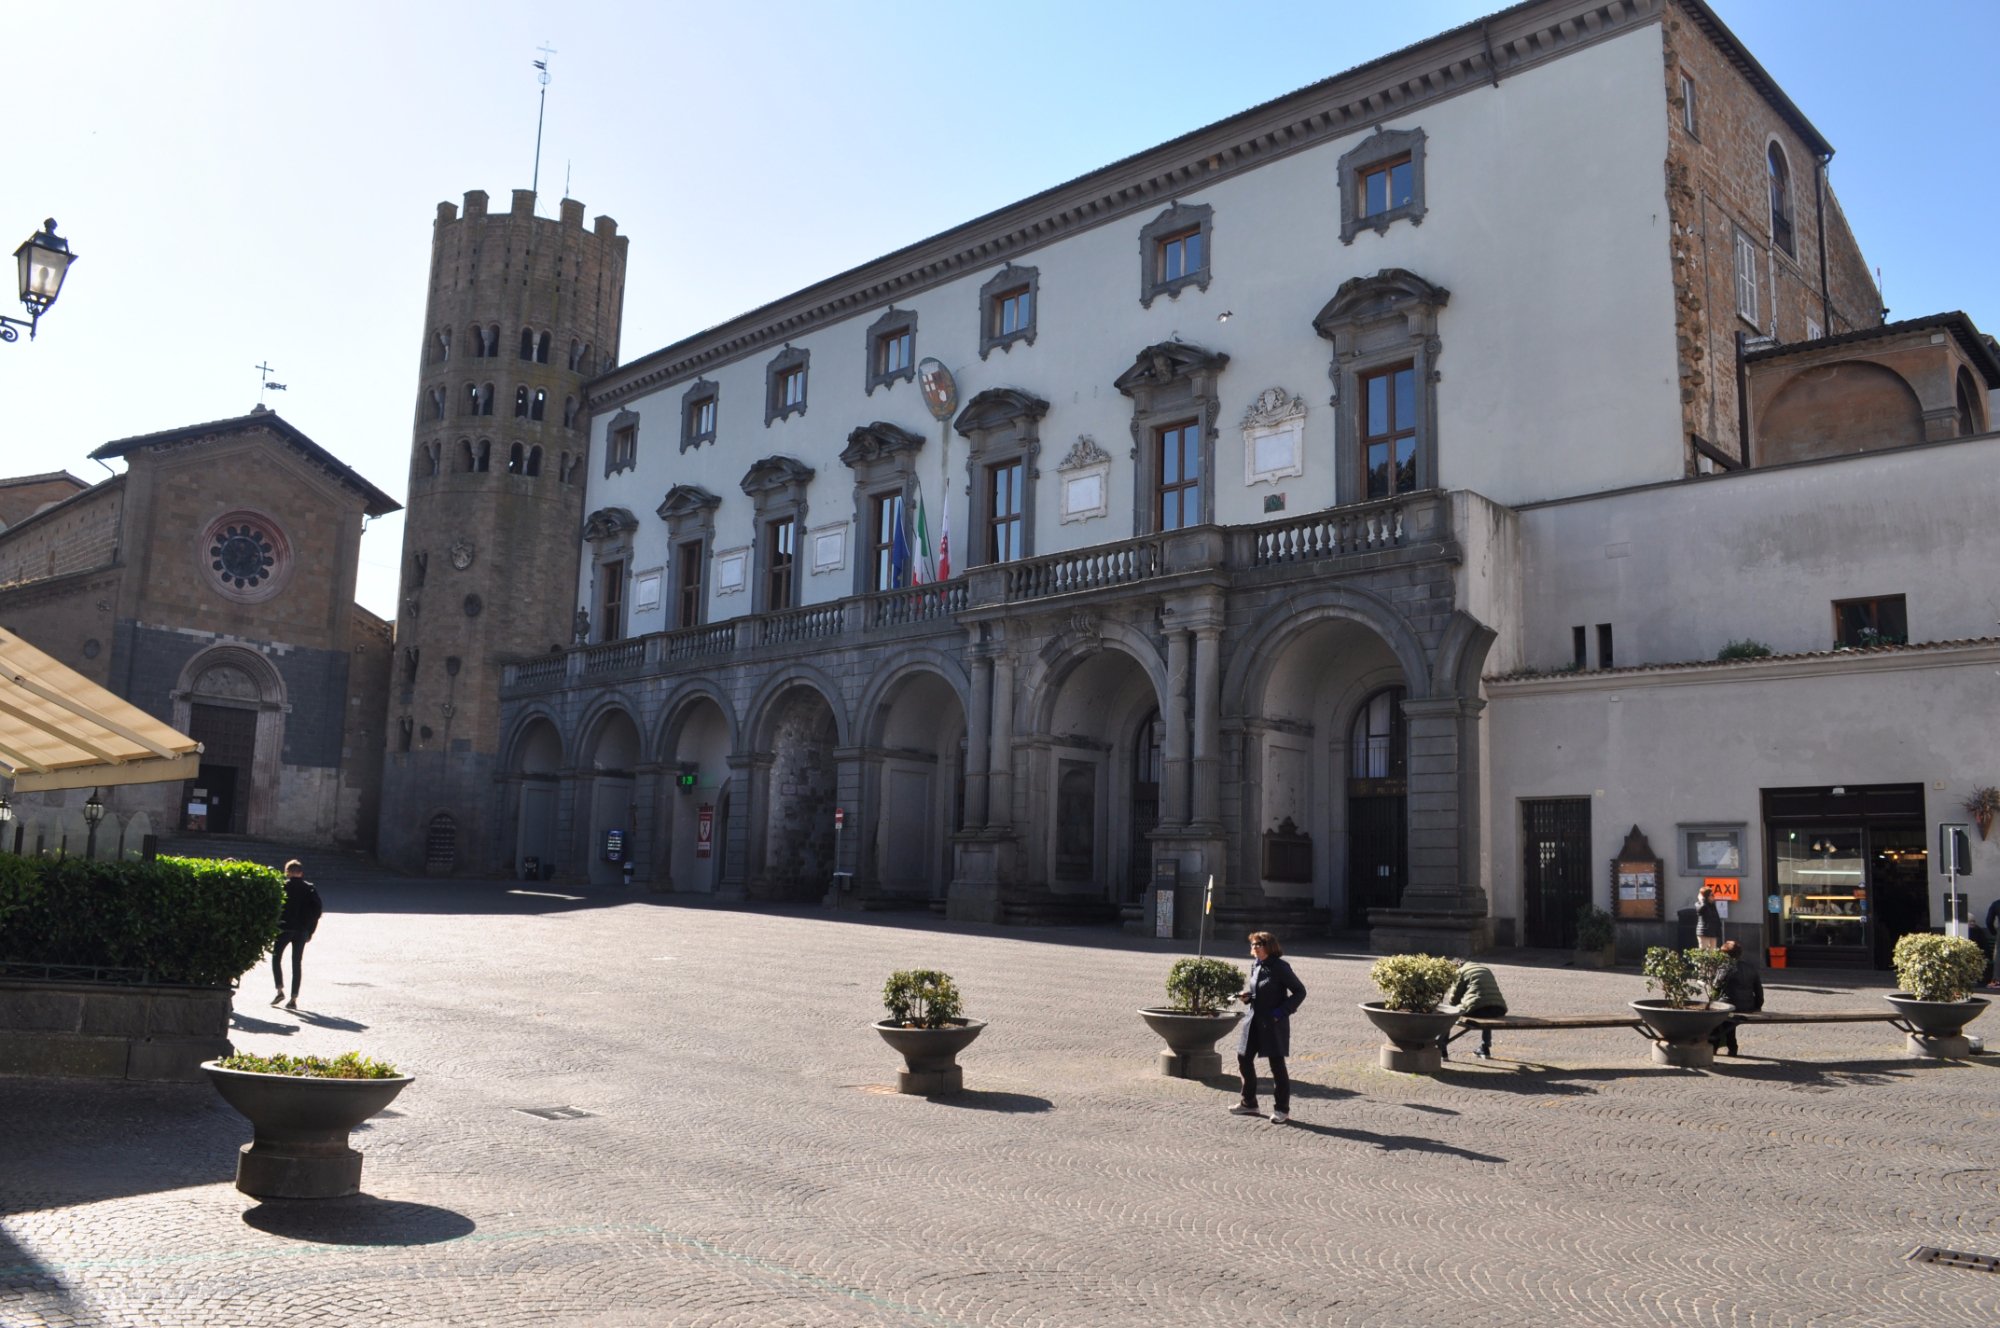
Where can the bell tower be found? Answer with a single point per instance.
(523, 310)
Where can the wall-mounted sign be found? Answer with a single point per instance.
(704, 831)
(1725, 888)
(1635, 880)
(614, 846)
(939, 388)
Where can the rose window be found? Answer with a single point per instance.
(242, 556)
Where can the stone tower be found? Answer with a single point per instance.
(522, 311)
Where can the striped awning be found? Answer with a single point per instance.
(60, 730)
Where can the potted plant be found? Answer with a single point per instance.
(1595, 938)
(302, 1109)
(1936, 976)
(1412, 987)
(1198, 990)
(1981, 806)
(1687, 1011)
(926, 1026)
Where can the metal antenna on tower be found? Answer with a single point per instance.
(542, 77)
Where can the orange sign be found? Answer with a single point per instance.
(1722, 887)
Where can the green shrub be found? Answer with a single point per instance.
(1744, 649)
(1709, 967)
(347, 1065)
(1684, 978)
(183, 920)
(1413, 983)
(1203, 986)
(1593, 928)
(1937, 968)
(921, 998)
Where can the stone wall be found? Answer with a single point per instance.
(87, 1030)
(80, 535)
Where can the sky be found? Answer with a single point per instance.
(254, 184)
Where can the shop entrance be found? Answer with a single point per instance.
(1849, 873)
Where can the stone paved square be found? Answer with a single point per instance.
(742, 1163)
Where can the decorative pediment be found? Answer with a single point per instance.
(774, 473)
(1169, 362)
(879, 441)
(608, 523)
(997, 408)
(1274, 408)
(1391, 291)
(1086, 452)
(686, 500)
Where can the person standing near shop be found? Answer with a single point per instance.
(1273, 994)
(1707, 920)
(296, 926)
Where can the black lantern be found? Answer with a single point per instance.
(44, 260)
(93, 808)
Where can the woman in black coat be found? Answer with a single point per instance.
(1274, 992)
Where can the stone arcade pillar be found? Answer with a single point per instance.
(1174, 743)
(1443, 910)
(1190, 830)
(977, 747)
(1206, 811)
(985, 853)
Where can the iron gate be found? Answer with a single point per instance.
(1555, 869)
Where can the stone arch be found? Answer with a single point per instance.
(1970, 404)
(215, 689)
(758, 712)
(674, 712)
(609, 752)
(1249, 669)
(911, 728)
(534, 760)
(1461, 655)
(1835, 409)
(698, 736)
(1071, 648)
(796, 772)
(884, 685)
(527, 730)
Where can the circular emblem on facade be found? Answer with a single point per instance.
(246, 556)
(91, 648)
(473, 604)
(461, 554)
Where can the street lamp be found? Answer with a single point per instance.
(93, 812)
(44, 259)
(6, 825)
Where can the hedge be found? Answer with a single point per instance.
(192, 921)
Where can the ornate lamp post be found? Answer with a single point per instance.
(6, 825)
(44, 260)
(93, 812)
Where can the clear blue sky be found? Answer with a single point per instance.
(251, 182)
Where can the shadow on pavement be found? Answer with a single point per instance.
(1393, 1143)
(359, 1219)
(329, 1021)
(21, 1271)
(1011, 1103)
(245, 1023)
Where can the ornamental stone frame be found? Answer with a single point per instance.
(689, 511)
(1381, 146)
(244, 679)
(1274, 437)
(791, 357)
(891, 323)
(608, 531)
(1178, 217)
(1086, 481)
(882, 456)
(701, 392)
(623, 420)
(1009, 278)
(1375, 322)
(776, 487)
(1171, 381)
(1002, 425)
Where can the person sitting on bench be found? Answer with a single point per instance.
(1742, 988)
(1476, 993)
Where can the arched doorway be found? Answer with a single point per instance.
(537, 759)
(232, 701)
(1099, 815)
(799, 795)
(917, 768)
(611, 757)
(697, 796)
(1378, 828)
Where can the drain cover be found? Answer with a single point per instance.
(554, 1113)
(1978, 1263)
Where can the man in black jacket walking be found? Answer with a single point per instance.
(296, 926)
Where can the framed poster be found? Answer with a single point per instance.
(1636, 894)
(1712, 849)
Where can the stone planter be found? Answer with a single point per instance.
(1413, 1036)
(1190, 1040)
(931, 1055)
(1935, 1027)
(1680, 1033)
(300, 1150)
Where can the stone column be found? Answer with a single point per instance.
(978, 722)
(649, 862)
(1000, 767)
(1444, 908)
(1174, 742)
(1207, 813)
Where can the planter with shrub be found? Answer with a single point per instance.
(1412, 987)
(1199, 992)
(1937, 975)
(925, 1025)
(1687, 1012)
(302, 1109)
(125, 969)
(1596, 939)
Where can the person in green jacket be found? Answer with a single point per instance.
(1475, 993)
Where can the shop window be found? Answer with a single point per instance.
(1382, 182)
(1861, 623)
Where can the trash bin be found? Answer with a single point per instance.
(1684, 934)
(1778, 956)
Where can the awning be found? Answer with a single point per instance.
(60, 730)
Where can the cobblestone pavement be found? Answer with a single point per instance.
(742, 1163)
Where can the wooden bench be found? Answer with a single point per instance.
(1818, 1017)
(1522, 1023)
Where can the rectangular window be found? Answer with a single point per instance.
(1576, 641)
(779, 551)
(611, 602)
(1180, 475)
(1179, 255)
(1389, 431)
(688, 583)
(1013, 311)
(625, 447)
(792, 387)
(892, 352)
(1387, 185)
(1859, 623)
(1003, 543)
(701, 418)
(887, 521)
(1746, 278)
(1604, 655)
(1688, 121)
